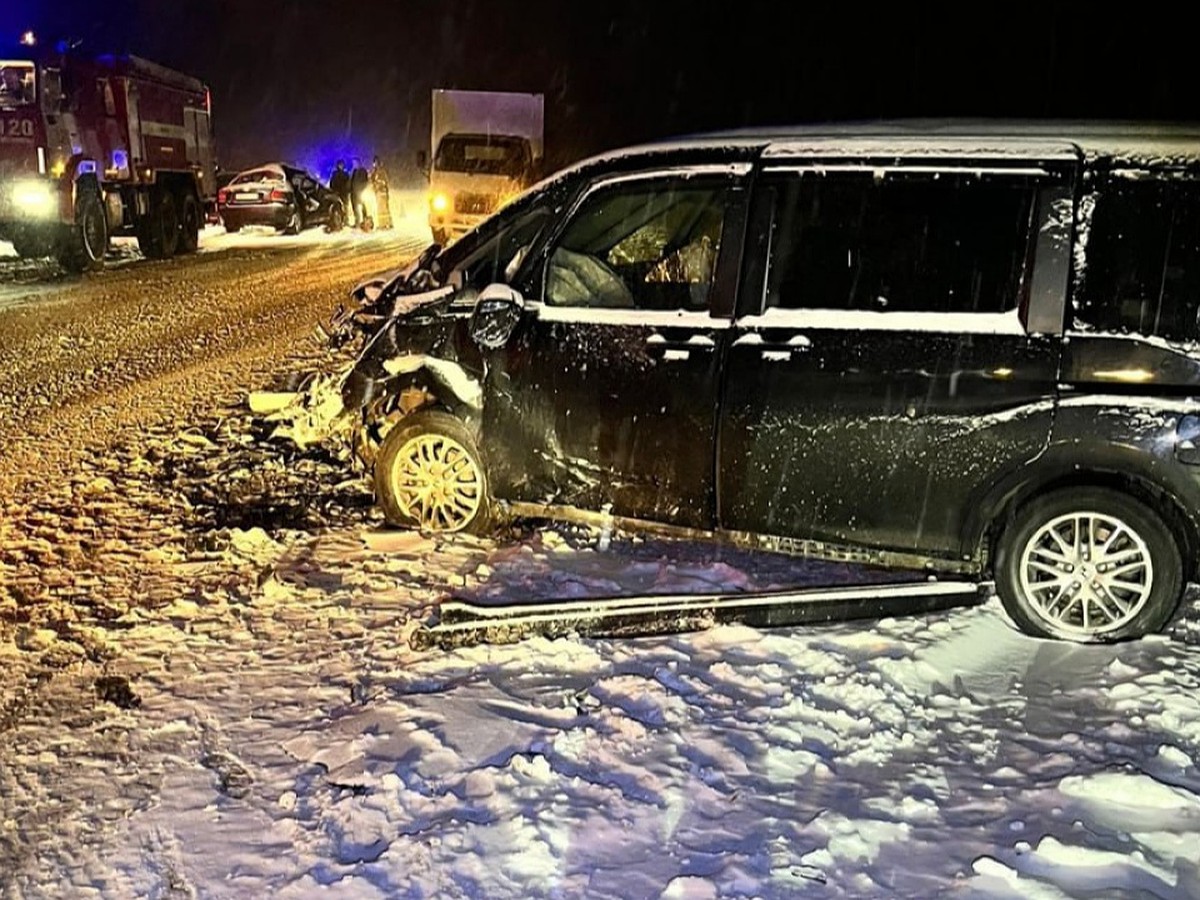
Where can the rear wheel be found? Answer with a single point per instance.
(1089, 564)
(158, 236)
(84, 244)
(429, 476)
(189, 233)
(232, 228)
(337, 220)
(294, 224)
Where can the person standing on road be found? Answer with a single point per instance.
(379, 184)
(339, 183)
(360, 180)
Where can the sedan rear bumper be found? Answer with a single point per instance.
(273, 215)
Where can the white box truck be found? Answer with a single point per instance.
(486, 148)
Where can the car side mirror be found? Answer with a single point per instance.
(495, 317)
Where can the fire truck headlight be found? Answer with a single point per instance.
(439, 202)
(33, 198)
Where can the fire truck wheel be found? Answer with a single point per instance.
(189, 235)
(158, 237)
(83, 246)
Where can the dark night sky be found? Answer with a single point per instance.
(289, 76)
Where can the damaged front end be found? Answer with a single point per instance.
(373, 301)
(415, 357)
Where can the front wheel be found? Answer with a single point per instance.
(429, 476)
(1089, 565)
(83, 247)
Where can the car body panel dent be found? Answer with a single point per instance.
(450, 375)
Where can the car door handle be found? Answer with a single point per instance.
(658, 345)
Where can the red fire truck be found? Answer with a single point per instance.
(96, 146)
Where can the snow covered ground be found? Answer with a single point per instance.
(287, 742)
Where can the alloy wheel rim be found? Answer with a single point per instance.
(437, 483)
(1086, 573)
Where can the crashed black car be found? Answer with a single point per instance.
(281, 197)
(963, 349)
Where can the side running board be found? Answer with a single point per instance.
(461, 623)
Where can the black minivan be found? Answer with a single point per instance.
(962, 348)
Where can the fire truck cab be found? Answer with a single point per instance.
(97, 146)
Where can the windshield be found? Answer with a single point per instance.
(17, 84)
(482, 154)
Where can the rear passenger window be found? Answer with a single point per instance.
(900, 243)
(1142, 272)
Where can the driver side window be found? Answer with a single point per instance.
(649, 245)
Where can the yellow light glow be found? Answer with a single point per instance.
(1002, 372)
(59, 166)
(34, 198)
(1134, 376)
(439, 202)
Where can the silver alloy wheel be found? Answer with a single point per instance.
(1086, 574)
(437, 483)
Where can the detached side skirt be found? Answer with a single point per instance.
(464, 623)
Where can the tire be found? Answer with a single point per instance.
(336, 221)
(295, 224)
(189, 223)
(158, 233)
(1091, 552)
(84, 244)
(232, 229)
(421, 441)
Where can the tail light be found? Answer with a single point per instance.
(278, 196)
(222, 195)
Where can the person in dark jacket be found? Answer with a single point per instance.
(339, 183)
(360, 180)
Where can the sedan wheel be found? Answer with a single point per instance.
(1089, 565)
(428, 475)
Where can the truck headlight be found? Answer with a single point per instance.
(439, 202)
(33, 198)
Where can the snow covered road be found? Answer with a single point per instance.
(209, 690)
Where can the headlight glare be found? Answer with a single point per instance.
(33, 198)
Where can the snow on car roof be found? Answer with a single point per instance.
(276, 167)
(1146, 142)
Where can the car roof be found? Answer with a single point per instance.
(279, 168)
(1147, 143)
